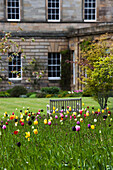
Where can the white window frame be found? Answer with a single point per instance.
(55, 78)
(53, 20)
(15, 65)
(12, 7)
(91, 20)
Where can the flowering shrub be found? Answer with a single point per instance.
(75, 140)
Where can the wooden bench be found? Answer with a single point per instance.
(61, 104)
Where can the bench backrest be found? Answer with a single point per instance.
(75, 104)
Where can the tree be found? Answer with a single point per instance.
(96, 62)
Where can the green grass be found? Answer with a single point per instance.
(55, 146)
(10, 104)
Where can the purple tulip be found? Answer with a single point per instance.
(4, 127)
(78, 123)
(77, 128)
(89, 126)
(49, 123)
(56, 117)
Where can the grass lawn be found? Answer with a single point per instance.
(63, 141)
(10, 104)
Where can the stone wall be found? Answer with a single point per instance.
(38, 49)
(70, 10)
(105, 10)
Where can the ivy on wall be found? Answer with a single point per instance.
(65, 82)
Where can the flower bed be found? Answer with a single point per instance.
(64, 140)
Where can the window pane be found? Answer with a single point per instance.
(15, 65)
(89, 9)
(13, 9)
(53, 10)
(53, 64)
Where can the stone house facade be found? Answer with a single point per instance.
(56, 25)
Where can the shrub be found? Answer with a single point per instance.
(30, 93)
(50, 90)
(40, 95)
(17, 91)
(86, 93)
(49, 95)
(33, 95)
(4, 94)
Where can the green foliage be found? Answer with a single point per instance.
(18, 90)
(49, 95)
(33, 96)
(97, 63)
(41, 95)
(65, 70)
(50, 90)
(30, 93)
(4, 94)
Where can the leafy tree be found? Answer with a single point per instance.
(96, 63)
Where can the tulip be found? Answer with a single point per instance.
(45, 121)
(89, 126)
(15, 132)
(81, 120)
(56, 117)
(49, 122)
(92, 127)
(53, 108)
(29, 122)
(53, 111)
(95, 120)
(35, 131)
(35, 122)
(4, 127)
(87, 114)
(102, 111)
(73, 128)
(80, 112)
(78, 123)
(18, 144)
(70, 109)
(77, 128)
(22, 123)
(27, 134)
(6, 123)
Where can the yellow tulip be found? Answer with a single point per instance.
(81, 120)
(53, 108)
(93, 112)
(49, 120)
(70, 109)
(53, 111)
(45, 121)
(57, 109)
(107, 108)
(67, 112)
(87, 114)
(27, 134)
(74, 113)
(28, 139)
(98, 110)
(102, 111)
(82, 104)
(35, 131)
(16, 117)
(35, 122)
(92, 127)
